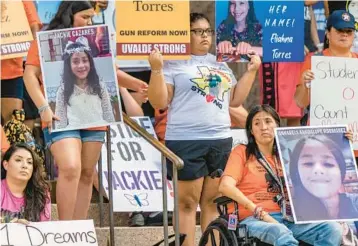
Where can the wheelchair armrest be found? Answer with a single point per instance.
(223, 200)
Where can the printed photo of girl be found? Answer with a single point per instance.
(81, 98)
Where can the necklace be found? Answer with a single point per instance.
(200, 59)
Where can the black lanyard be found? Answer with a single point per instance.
(262, 160)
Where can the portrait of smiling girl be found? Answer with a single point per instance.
(318, 170)
(81, 99)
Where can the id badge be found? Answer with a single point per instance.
(232, 224)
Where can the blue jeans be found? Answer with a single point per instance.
(287, 233)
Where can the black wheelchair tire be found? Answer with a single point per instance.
(227, 237)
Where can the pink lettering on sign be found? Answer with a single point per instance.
(348, 93)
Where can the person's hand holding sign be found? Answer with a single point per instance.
(307, 76)
(254, 63)
(47, 116)
(156, 60)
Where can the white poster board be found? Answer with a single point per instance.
(334, 98)
(76, 232)
(137, 170)
(319, 167)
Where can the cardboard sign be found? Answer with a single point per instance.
(319, 167)
(16, 34)
(137, 170)
(76, 232)
(334, 98)
(144, 25)
(272, 29)
(69, 56)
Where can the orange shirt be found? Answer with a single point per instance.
(307, 65)
(33, 58)
(4, 143)
(250, 177)
(12, 68)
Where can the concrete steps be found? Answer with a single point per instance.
(136, 236)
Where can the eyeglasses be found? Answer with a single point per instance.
(200, 32)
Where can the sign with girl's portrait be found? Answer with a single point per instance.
(320, 173)
(79, 76)
(271, 29)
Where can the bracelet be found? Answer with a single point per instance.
(156, 71)
(257, 212)
(43, 108)
(308, 85)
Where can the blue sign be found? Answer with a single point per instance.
(275, 29)
(46, 10)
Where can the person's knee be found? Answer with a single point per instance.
(281, 235)
(188, 203)
(71, 171)
(333, 231)
(87, 175)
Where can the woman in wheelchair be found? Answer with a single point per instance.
(252, 179)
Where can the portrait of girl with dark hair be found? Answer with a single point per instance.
(318, 170)
(81, 98)
(240, 33)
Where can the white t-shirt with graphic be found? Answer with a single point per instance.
(200, 106)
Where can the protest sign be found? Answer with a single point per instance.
(79, 76)
(76, 232)
(16, 35)
(137, 170)
(271, 29)
(319, 167)
(142, 26)
(334, 93)
(46, 10)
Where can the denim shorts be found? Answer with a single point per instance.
(83, 135)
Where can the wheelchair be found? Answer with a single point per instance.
(217, 231)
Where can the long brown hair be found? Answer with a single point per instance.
(37, 189)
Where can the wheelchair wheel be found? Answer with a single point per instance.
(219, 228)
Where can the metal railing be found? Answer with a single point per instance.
(166, 154)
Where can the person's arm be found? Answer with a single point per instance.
(127, 81)
(314, 31)
(238, 116)
(241, 90)
(310, 2)
(107, 109)
(303, 91)
(326, 8)
(32, 17)
(131, 106)
(160, 94)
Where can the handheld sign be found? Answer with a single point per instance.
(144, 25)
(137, 170)
(271, 29)
(76, 232)
(334, 98)
(79, 77)
(16, 34)
(318, 166)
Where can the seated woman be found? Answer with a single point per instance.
(318, 170)
(24, 191)
(246, 181)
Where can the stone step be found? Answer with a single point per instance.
(137, 236)
(120, 219)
